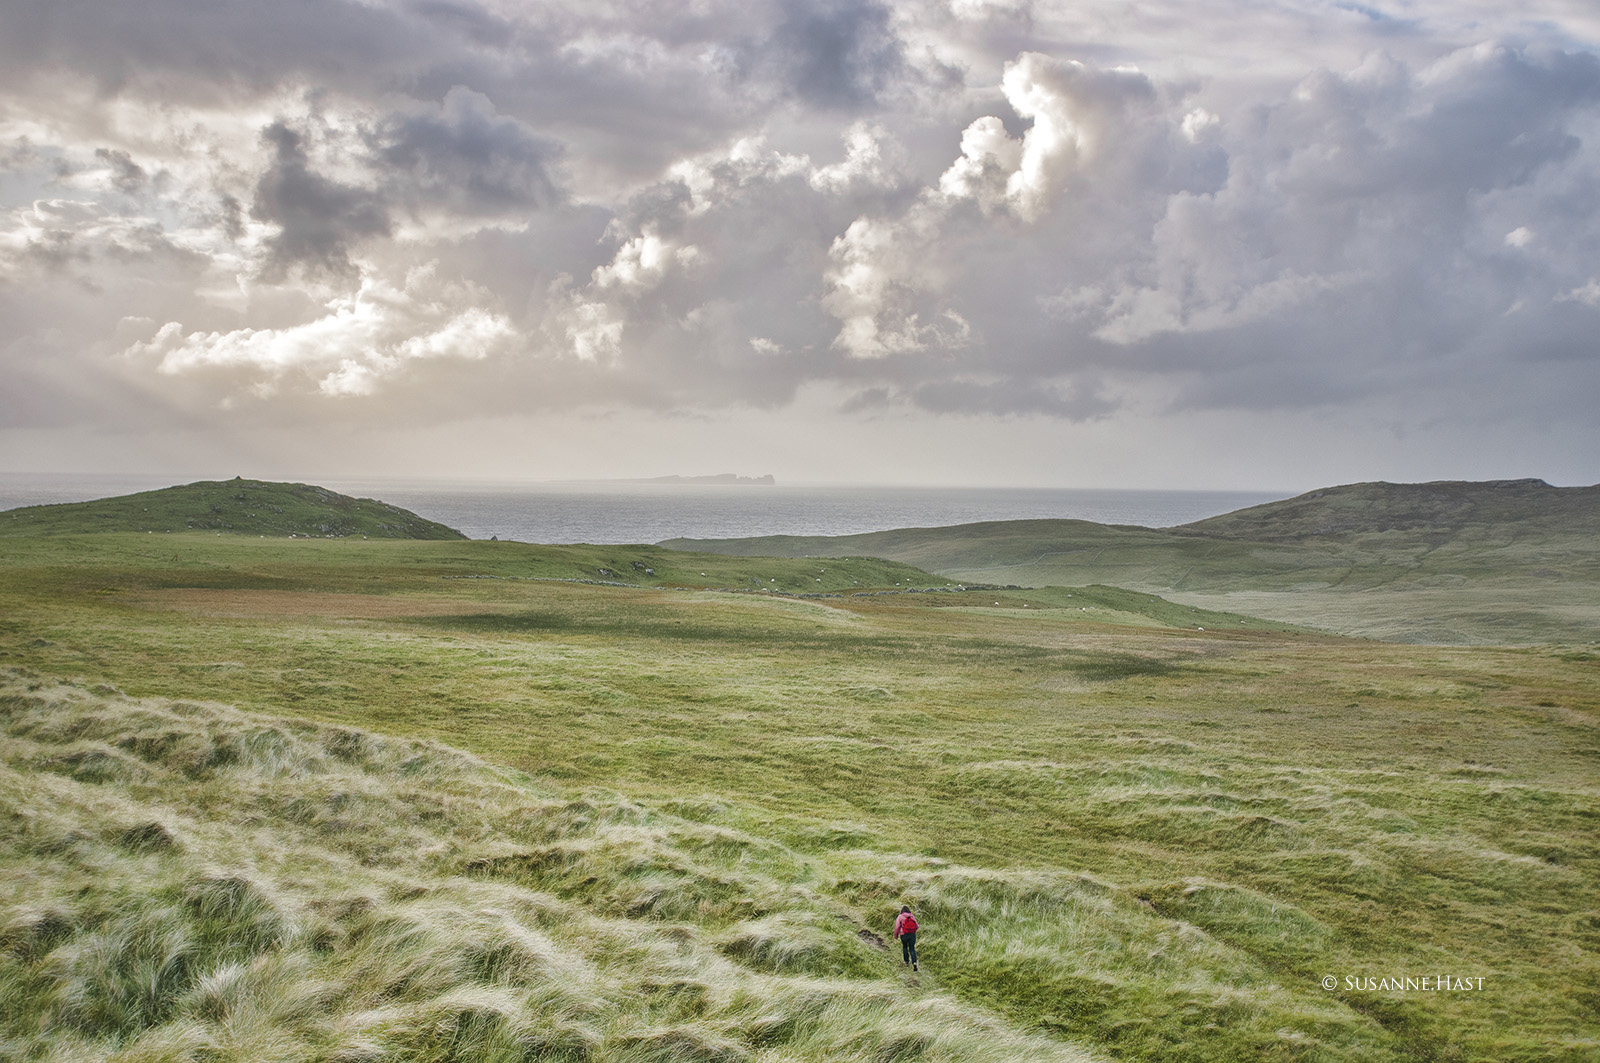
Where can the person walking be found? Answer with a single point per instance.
(905, 928)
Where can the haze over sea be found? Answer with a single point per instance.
(623, 512)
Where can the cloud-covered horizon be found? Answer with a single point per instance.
(436, 212)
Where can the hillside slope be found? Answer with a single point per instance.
(1502, 561)
(238, 506)
(1443, 507)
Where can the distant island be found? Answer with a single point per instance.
(718, 478)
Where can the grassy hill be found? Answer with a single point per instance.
(1443, 508)
(304, 511)
(236, 833)
(1499, 562)
(237, 506)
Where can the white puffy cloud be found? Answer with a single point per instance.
(1521, 236)
(350, 349)
(884, 270)
(1199, 123)
(1588, 292)
(1073, 110)
(990, 159)
(871, 157)
(642, 262)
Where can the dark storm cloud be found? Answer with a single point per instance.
(836, 54)
(633, 83)
(1488, 118)
(126, 175)
(317, 218)
(467, 158)
(230, 217)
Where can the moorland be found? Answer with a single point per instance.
(342, 798)
(1499, 562)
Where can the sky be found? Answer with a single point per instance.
(1232, 244)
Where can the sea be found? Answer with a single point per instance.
(627, 512)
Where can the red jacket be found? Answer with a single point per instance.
(904, 924)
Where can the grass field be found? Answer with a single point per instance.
(1126, 837)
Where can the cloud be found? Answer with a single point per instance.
(997, 209)
(642, 262)
(317, 218)
(462, 159)
(1359, 187)
(990, 158)
(1074, 110)
(340, 177)
(872, 157)
(1069, 401)
(1588, 292)
(351, 349)
(836, 54)
(887, 273)
(878, 286)
(125, 174)
(197, 50)
(81, 238)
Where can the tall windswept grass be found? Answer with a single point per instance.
(185, 881)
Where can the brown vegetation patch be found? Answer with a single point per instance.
(203, 601)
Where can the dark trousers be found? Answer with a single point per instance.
(908, 946)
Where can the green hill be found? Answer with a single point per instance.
(275, 510)
(1500, 562)
(237, 506)
(1441, 508)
